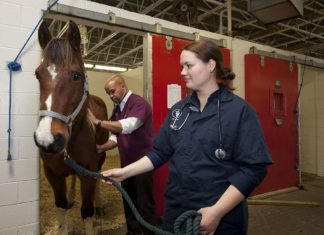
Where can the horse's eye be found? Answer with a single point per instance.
(37, 76)
(76, 76)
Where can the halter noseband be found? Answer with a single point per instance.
(68, 119)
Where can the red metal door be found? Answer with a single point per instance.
(166, 70)
(271, 86)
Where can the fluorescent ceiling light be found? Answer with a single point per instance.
(88, 66)
(110, 68)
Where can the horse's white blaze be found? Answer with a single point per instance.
(52, 71)
(48, 102)
(44, 136)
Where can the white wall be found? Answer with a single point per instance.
(19, 178)
(312, 121)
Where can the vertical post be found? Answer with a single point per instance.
(229, 18)
(147, 68)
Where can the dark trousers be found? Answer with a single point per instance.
(139, 188)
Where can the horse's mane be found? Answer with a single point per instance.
(59, 52)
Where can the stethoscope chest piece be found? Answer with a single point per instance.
(220, 154)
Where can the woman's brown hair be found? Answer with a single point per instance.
(206, 50)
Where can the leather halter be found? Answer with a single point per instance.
(68, 119)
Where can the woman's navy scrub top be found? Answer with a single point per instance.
(197, 178)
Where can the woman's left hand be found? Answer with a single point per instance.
(209, 220)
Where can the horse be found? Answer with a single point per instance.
(64, 129)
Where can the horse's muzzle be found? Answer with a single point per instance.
(56, 147)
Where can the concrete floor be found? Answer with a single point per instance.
(288, 219)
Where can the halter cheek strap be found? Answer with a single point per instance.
(68, 119)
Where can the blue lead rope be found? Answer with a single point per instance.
(15, 66)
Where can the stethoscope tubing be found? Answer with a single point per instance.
(219, 152)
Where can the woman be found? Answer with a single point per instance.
(214, 144)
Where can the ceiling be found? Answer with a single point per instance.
(302, 34)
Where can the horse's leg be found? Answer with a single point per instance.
(88, 186)
(58, 185)
(71, 192)
(99, 209)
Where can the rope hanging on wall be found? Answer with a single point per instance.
(15, 66)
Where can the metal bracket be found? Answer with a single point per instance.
(158, 28)
(111, 17)
(295, 59)
(168, 43)
(197, 36)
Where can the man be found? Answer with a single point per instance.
(131, 125)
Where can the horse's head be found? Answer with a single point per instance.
(63, 88)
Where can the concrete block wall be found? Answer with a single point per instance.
(19, 178)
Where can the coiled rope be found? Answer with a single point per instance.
(186, 224)
(15, 66)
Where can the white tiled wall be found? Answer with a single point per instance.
(19, 178)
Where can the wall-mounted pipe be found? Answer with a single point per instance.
(229, 18)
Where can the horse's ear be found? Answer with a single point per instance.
(44, 35)
(73, 35)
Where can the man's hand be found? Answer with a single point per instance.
(101, 148)
(93, 118)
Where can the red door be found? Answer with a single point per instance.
(166, 70)
(271, 86)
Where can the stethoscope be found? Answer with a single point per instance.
(180, 118)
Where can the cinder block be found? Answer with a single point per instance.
(10, 13)
(20, 129)
(27, 148)
(30, 16)
(8, 194)
(19, 215)
(28, 191)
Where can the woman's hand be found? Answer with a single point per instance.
(117, 174)
(209, 220)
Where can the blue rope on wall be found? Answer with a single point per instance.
(15, 66)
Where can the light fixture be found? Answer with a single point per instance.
(88, 66)
(276, 10)
(110, 68)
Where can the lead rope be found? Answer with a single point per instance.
(186, 224)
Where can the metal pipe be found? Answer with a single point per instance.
(221, 21)
(229, 18)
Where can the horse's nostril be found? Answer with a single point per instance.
(58, 144)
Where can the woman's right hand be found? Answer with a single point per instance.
(117, 174)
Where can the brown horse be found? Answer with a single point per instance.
(64, 128)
